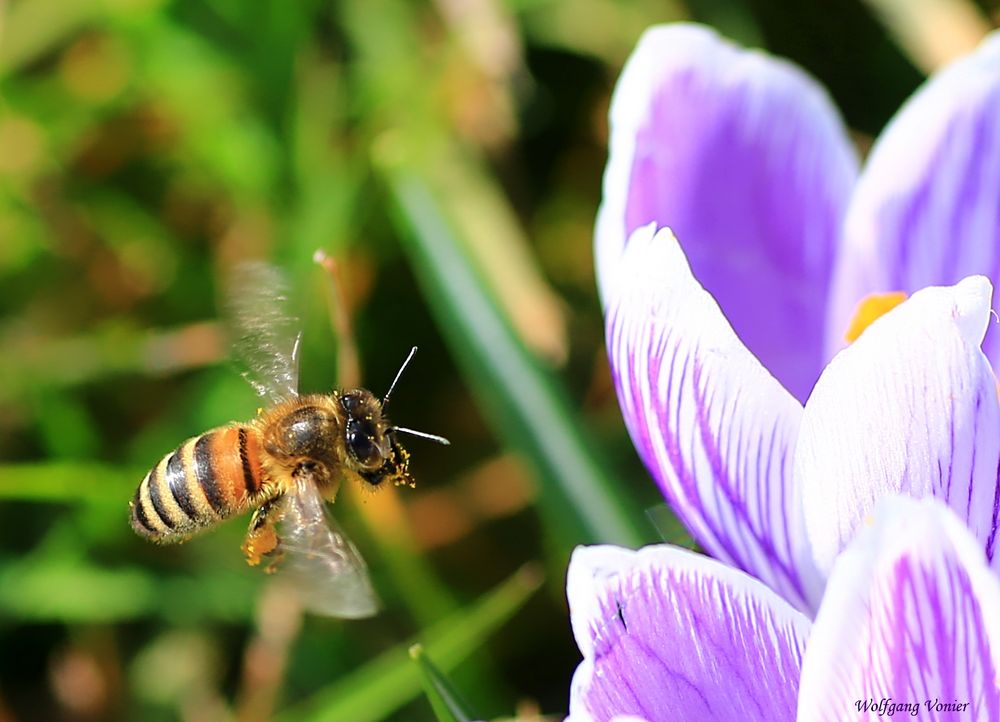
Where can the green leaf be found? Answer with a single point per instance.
(527, 408)
(445, 700)
(389, 681)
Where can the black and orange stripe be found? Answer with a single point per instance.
(205, 480)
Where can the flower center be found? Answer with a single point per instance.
(869, 308)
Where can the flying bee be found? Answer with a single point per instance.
(282, 464)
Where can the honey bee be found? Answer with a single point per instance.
(284, 464)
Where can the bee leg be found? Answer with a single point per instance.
(262, 538)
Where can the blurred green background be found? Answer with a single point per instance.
(447, 155)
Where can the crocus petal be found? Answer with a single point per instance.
(715, 429)
(911, 408)
(911, 614)
(669, 634)
(744, 156)
(926, 211)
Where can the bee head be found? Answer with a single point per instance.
(373, 451)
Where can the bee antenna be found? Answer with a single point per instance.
(406, 362)
(422, 434)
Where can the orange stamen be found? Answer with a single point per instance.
(869, 308)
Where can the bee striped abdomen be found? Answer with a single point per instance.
(207, 479)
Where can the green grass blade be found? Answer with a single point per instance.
(445, 700)
(391, 680)
(526, 406)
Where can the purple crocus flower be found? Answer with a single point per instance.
(778, 489)
(910, 621)
(744, 157)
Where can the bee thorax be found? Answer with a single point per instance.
(308, 431)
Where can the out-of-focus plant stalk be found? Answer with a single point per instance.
(933, 32)
(602, 29)
(496, 244)
(348, 362)
(279, 620)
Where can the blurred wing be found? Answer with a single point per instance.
(265, 333)
(319, 561)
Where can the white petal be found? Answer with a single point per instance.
(669, 634)
(715, 429)
(911, 407)
(911, 615)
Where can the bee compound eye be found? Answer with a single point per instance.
(359, 443)
(350, 402)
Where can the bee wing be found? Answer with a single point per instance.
(265, 332)
(320, 562)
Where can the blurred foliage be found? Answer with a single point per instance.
(447, 155)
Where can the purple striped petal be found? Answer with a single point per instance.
(715, 429)
(911, 615)
(909, 408)
(667, 634)
(926, 211)
(744, 157)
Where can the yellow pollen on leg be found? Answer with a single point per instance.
(870, 308)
